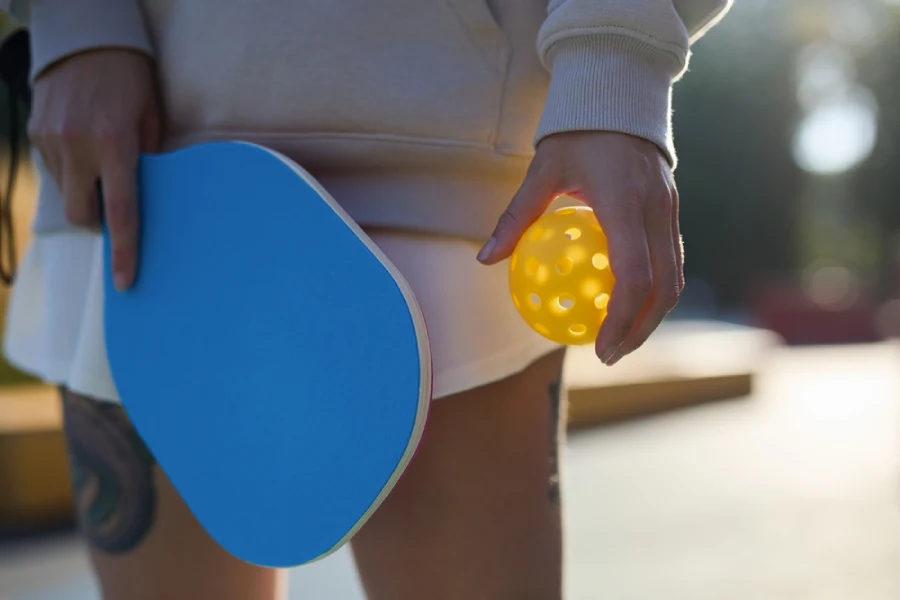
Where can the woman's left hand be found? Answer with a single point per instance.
(629, 184)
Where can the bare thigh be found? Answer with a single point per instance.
(477, 514)
(144, 542)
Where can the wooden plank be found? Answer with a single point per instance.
(34, 477)
(684, 364)
(595, 406)
(29, 408)
(34, 471)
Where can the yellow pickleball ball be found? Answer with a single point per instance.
(559, 276)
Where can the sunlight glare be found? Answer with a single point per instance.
(837, 134)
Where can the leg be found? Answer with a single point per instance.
(144, 542)
(477, 513)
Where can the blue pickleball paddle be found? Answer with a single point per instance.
(272, 358)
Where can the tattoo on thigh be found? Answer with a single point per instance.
(112, 474)
(555, 393)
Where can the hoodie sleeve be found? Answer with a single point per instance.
(61, 28)
(612, 63)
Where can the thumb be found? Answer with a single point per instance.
(534, 196)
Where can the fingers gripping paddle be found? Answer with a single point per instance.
(272, 358)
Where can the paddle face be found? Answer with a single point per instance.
(272, 359)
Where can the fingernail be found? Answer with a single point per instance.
(607, 354)
(487, 250)
(614, 359)
(120, 282)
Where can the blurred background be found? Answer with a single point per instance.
(752, 449)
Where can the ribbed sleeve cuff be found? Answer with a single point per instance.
(610, 83)
(61, 28)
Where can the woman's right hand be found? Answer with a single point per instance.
(92, 115)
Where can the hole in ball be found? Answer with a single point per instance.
(513, 261)
(564, 265)
(600, 261)
(578, 329)
(573, 233)
(536, 233)
(565, 301)
(541, 329)
(535, 301)
(601, 301)
(566, 210)
(531, 266)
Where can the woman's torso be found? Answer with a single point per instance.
(414, 114)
